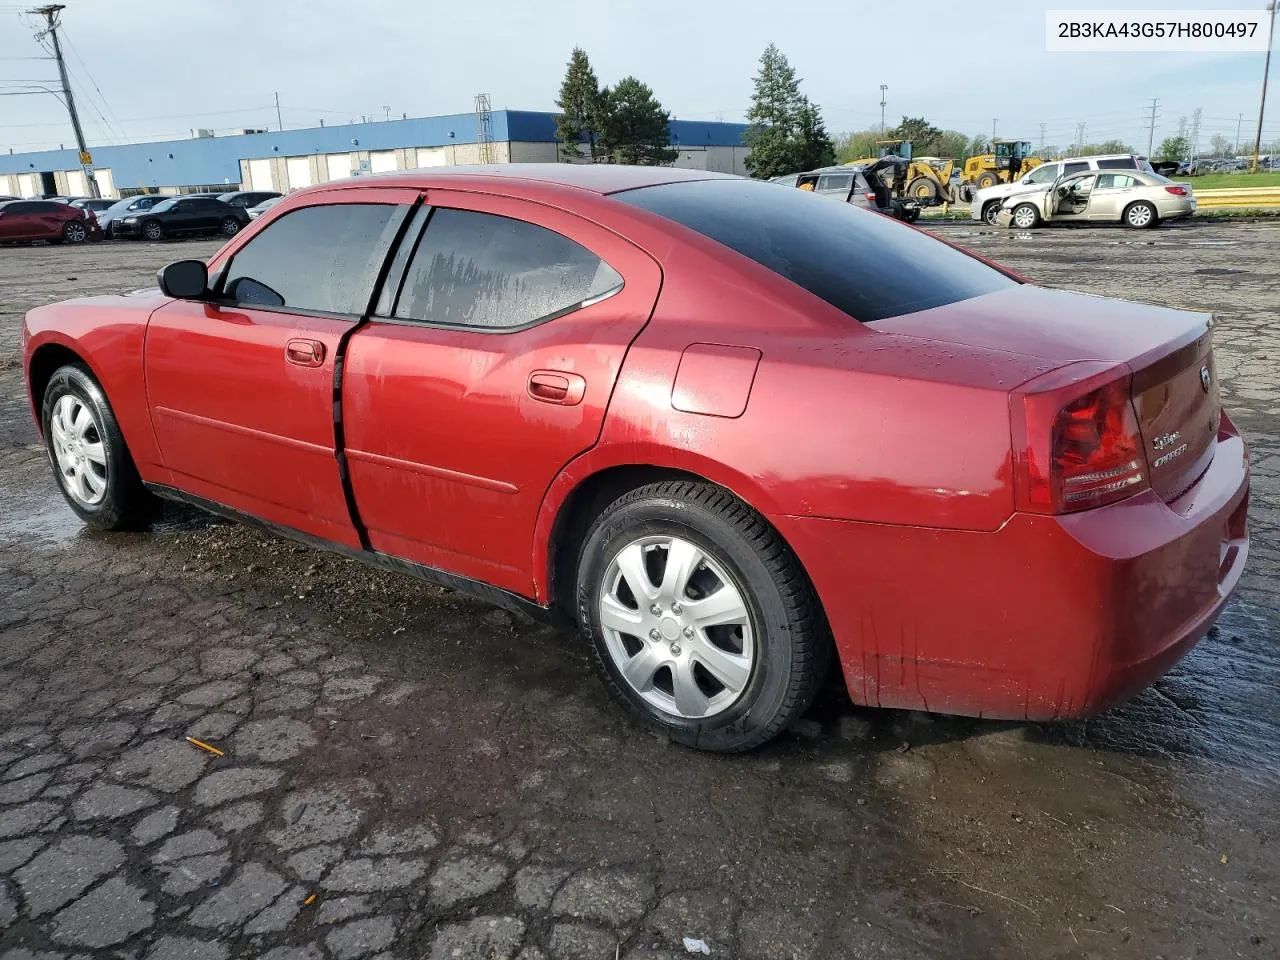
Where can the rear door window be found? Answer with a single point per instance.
(835, 183)
(323, 258)
(1118, 163)
(860, 262)
(481, 270)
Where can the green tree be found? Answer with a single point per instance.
(582, 107)
(922, 134)
(1173, 148)
(816, 147)
(786, 131)
(1221, 146)
(978, 146)
(857, 145)
(634, 127)
(952, 143)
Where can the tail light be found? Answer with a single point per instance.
(1177, 191)
(1076, 440)
(870, 198)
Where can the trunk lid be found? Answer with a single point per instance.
(1170, 353)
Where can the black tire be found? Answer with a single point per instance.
(912, 216)
(987, 178)
(230, 226)
(990, 212)
(792, 643)
(1134, 215)
(922, 188)
(126, 504)
(152, 230)
(73, 231)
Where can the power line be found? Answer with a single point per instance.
(50, 13)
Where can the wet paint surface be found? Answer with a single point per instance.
(442, 775)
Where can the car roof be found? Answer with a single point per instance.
(600, 178)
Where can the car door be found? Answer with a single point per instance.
(209, 214)
(241, 387)
(13, 217)
(1074, 205)
(487, 367)
(1110, 195)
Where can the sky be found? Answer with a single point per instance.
(153, 69)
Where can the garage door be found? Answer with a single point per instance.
(260, 175)
(431, 157)
(76, 185)
(106, 182)
(299, 171)
(384, 161)
(338, 165)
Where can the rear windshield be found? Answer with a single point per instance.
(857, 261)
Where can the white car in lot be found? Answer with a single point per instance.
(986, 202)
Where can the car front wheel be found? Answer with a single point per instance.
(991, 212)
(88, 454)
(703, 623)
(1141, 215)
(152, 230)
(1025, 216)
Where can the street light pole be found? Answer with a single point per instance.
(1266, 70)
(883, 88)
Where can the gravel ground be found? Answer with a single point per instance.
(410, 774)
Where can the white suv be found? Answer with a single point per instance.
(986, 202)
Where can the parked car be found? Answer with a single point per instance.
(94, 205)
(182, 216)
(46, 220)
(728, 430)
(861, 186)
(1135, 199)
(261, 208)
(986, 202)
(125, 207)
(247, 198)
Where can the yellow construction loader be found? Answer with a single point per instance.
(1009, 160)
(927, 180)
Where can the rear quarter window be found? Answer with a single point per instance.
(1118, 163)
(863, 263)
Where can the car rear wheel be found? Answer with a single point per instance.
(1141, 215)
(88, 454)
(73, 231)
(230, 226)
(991, 211)
(152, 230)
(1025, 216)
(703, 623)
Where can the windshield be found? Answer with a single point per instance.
(860, 262)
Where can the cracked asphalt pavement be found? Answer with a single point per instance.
(406, 773)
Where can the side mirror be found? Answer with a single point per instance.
(184, 280)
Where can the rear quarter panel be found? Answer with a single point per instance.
(107, 333)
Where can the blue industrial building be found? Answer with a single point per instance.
(290, 159)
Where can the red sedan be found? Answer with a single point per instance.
(727, 429)
(49, 220)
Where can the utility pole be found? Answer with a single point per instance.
(50, 13)
(883, 88)
(1239, 123)
(386, 113)
(1042, 129)
(1266, 70)
(994, 121)
(1195, 134)
(1151, 129)
(279, 120)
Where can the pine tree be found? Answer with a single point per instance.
(635, 128)
(581, 103)
(786, 131)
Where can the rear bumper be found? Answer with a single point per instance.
(1046, 618)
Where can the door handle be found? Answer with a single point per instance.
(305, 353)
(555, 386)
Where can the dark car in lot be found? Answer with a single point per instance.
(27, 220)
(247, 198)
(182, 216)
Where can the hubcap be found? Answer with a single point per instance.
(676, 627)
(1139, 216)
(993, 211)
(78, 451)
(1024, 217)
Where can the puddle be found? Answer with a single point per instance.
(54, 523)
